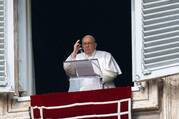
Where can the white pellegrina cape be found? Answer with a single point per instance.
(109, 67)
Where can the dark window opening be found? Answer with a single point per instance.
(57, 24)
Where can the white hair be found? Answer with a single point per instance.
(89, 36)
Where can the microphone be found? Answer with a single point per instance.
(81, 50)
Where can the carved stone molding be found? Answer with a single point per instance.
(15, 106)
(170, 98)
(3, 104)
(20, 115)
(147, 99)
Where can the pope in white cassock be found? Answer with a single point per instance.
(108, 66)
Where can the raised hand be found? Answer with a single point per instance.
(76, 48)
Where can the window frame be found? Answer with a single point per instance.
(25, 55)
(141, 100)
(138, 73)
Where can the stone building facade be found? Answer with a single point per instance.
(156, 98)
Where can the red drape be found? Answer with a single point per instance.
(66, 98)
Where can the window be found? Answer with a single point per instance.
(15, 49)
(155, 38)
(7, 82)
(54, 36)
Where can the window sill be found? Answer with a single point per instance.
(22, 99)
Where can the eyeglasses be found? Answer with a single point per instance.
(88, 43)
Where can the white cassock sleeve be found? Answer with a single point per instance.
(111, 69)
(112, 65)
(69, 67)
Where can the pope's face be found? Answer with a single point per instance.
(88, 45)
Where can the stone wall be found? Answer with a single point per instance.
(159, 100)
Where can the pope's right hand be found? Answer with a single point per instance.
(76, 48)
